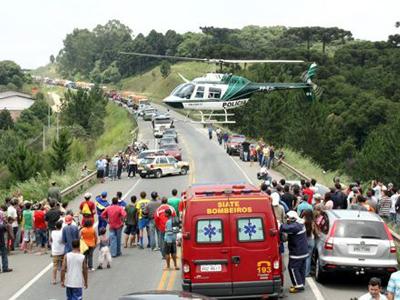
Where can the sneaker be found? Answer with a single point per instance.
(294, 289)
(91, 270)
(156, 249)
(148, 246)
(100, 268)
(108, 266)
(7, 270)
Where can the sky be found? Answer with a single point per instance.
(32, 30)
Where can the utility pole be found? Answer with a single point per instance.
(44, 138)
(48, 117)
(58, 126)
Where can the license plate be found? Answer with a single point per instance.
(362, 249)
(211, 268)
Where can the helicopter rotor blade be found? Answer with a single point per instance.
(183, 78)
(214, 60)
(165, 56)
(266, 61)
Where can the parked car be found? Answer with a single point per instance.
(172, 150)
(353, 241)
(150, 152)
(170, 132)
(148, 114)
(166, 140)
(164, 295)
(233, 143)
(162, 165)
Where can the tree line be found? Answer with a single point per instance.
(352, 127)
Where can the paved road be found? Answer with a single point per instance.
(139, 270)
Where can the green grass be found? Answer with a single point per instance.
(119, 125)
(311, 169)
(151, 84)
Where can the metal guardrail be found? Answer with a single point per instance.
(78, 184)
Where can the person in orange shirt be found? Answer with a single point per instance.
(88, 234)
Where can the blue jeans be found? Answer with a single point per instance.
(101, 224)
(311, 246)
(115, 242)
(74, 293)
(41, 237)
(260, 159)
(4, 258)
(153, 232)
(161, 242)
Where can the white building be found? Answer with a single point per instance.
(15, 102)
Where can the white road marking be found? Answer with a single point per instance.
(131, 189)
(48, 267)
(241, 170)
(314, 289)
(31, 282)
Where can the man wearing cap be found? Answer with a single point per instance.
(54, 192)
(101, 205)
(87, 209)
(298, 250)
(70, 232)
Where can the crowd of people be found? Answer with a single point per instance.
(298, 208)
(71, 237)
(112, 167)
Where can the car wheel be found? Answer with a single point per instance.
(158, 174)
(142, 175)
(184, 171)
(320, 275)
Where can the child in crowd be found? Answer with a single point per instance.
(57, 250)
(104, 253)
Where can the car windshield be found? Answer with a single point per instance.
(148, 160)
(169, 131)
(238, 139)
(360, 229)
(167, 141)
(170, 147)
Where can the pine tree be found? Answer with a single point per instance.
(61, 154)
(23, 163)
(6, 122)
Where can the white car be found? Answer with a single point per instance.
(162, 165)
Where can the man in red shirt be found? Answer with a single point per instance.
(161, 219)
(309, 192)
(115, 216)
(87, 209)
(40, 226)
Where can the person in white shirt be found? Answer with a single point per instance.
(393, 198)
(12, 213)
(74, 272)
(374, 290)
(57, 250)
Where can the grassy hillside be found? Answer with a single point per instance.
(49, 70)
(152, 85)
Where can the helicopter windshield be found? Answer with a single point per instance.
(184, 91)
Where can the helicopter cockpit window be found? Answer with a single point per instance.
(200, 92)
(214, 93)
(185, 91)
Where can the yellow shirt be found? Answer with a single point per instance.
(140, 204)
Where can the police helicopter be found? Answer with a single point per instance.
(221, 92)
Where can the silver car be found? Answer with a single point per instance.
(353, 241)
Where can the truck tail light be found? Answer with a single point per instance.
(330, 240)
(390, 237)
(185, 269)
(276, 265)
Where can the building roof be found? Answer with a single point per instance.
(13, 94)
(14, 101)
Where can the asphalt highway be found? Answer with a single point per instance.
(141, 270)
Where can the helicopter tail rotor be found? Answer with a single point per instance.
(313, 91)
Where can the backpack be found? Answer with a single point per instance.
(144, 209)
(86, 209)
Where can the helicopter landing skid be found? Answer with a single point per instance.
(206, 118)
